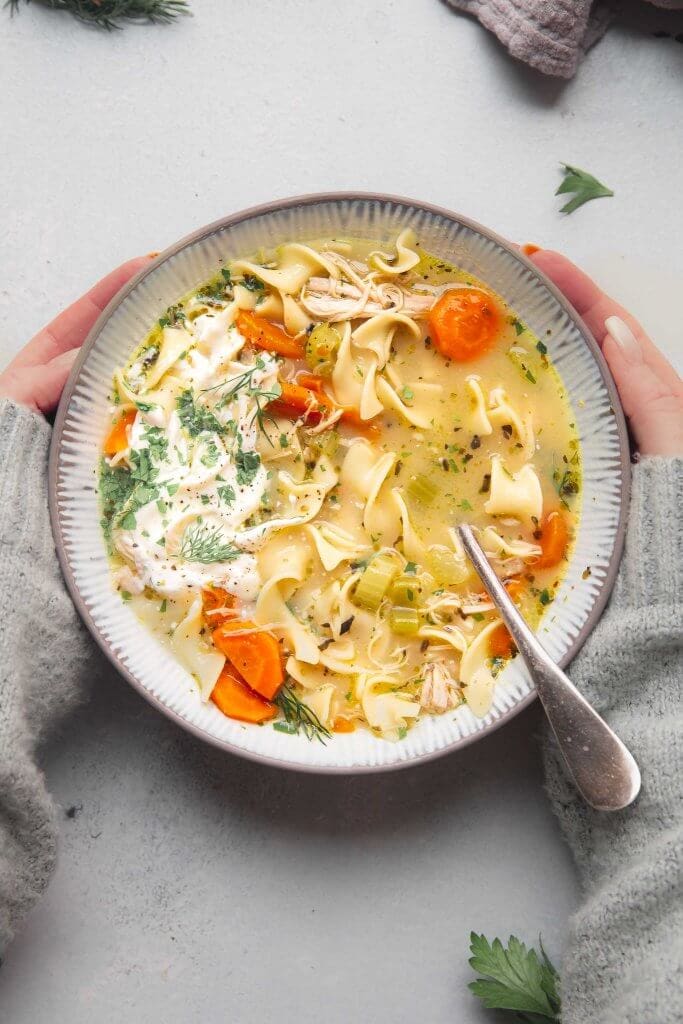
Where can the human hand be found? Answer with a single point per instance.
(37, 375)
(651, 391)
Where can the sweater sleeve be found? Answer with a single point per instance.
(623, 963)
(44, 662)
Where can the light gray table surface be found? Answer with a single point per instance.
(193, 886)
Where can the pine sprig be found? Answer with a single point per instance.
(515, 978)
(584, 186)
(108, 14)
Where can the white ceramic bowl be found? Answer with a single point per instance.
(80, 428)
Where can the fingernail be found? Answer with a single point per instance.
(625, 339)
(152, 255)
(529, 248)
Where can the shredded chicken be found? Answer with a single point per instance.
(328, 299)
(439, 690)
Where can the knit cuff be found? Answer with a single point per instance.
(651, 567)
(24, 443)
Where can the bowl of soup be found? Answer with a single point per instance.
(264, 452)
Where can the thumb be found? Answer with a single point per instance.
(651, 396)
(38, 387)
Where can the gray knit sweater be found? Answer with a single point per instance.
(625, 947)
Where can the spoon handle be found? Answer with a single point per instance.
(604, 771)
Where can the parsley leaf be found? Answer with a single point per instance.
(518, 326)
(515, 978)
(247, 467)
(226, 493)
(584, 186)
(253, 283)
(210, 456)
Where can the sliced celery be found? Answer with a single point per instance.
(404, 621)
(406, 590)
(329, 443)
(446, 568)
(321, 348)
(375, 581)
(422, 489)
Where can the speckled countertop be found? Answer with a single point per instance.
(193, 886)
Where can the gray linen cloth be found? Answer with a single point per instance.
(549, 35)
(623, 962)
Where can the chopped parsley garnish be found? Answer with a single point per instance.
(247, 467)
(210, 456)
(567, 483)
(253, 283)
(226, 494)
(195, 417)
(518, 326)
(173, 316)
(116, 487)
(215, 292)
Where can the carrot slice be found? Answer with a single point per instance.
(307, 397)
(463, 323)
(261, 333)
(515, 588)
(554, 540)
(214, 598)
(256, 656)
(501, 644)
(313, 383)
(236, 700)
(296, 401)
(117, 439)
(343, 725)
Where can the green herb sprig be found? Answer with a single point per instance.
(299, 717)
(206, 544)
(262, 396)
(108, 14)
(584, 185)
(515, 978)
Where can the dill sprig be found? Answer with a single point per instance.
(262, 396)
(206, 544)
(108, 14)
(300, 717)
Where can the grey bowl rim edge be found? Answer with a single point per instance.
(266, 209)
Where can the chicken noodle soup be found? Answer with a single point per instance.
(290, 453)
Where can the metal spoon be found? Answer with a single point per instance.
(604, 771)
